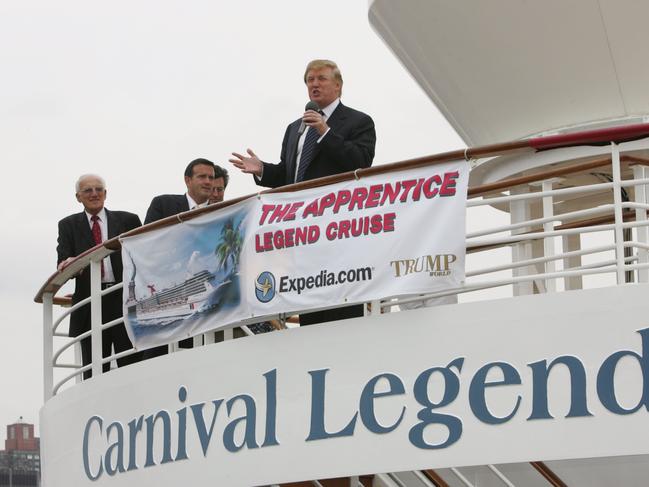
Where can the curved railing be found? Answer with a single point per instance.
(602, 240)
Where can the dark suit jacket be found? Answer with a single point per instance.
(75, 237)
(348, 145)
(166, 205)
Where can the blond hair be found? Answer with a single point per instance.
(325, 63)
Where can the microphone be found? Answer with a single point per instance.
(309, 106)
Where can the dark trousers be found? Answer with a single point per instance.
(115, 337)
(335, 314)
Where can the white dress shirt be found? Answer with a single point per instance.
(193, 205)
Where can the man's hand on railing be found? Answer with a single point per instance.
(63, 264)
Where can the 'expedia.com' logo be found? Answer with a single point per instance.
(265, 287)
(436, 265)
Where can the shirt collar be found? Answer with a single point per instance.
(329, 109)
(101, 215)
(193, 204)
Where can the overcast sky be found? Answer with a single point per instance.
(134, 90)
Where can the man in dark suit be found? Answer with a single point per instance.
(336, 139)
(80, 232)
(199, 179)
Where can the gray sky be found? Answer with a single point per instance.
(134, 90)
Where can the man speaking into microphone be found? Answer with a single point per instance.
(329, 138)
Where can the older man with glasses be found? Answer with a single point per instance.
(80, 232)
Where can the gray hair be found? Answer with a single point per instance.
(77, 185)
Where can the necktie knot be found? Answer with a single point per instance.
(94, 218)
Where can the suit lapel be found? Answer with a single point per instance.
(336, 119)
(183, 204)
(113, 225)
(291, 163)
(84, 231)
(115, 228)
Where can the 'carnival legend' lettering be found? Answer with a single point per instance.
(117, 442)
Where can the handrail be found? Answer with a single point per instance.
(540, 176)
(532, 178)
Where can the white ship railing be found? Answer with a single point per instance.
(547, 251)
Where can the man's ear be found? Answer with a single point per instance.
(78, 197)
(187, 180)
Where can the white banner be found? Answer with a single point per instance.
(394, 234)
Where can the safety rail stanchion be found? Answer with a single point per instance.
(520, 212)
(48, 346)
(95, 317)
(376, 307)
(641, 172)
(571, 245)
(617, 208)
(461, 477)
(501, 476)
(209, 338)
(548, 242)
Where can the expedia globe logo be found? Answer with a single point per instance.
(265, 287)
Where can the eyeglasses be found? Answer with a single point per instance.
(218, 189)
(89, 191)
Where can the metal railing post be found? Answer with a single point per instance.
(48, 346)
(376, 307)
(640, 172)
(520, 212)
(95, 317)
(572, 243)
(548, 242)
(617, 208)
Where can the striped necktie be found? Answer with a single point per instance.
(308, 150)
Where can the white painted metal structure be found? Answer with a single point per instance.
(562, 274)
(505, 69)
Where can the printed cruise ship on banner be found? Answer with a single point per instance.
(180, 280)
(289, 252)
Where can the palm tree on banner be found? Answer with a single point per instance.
(229, 248)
